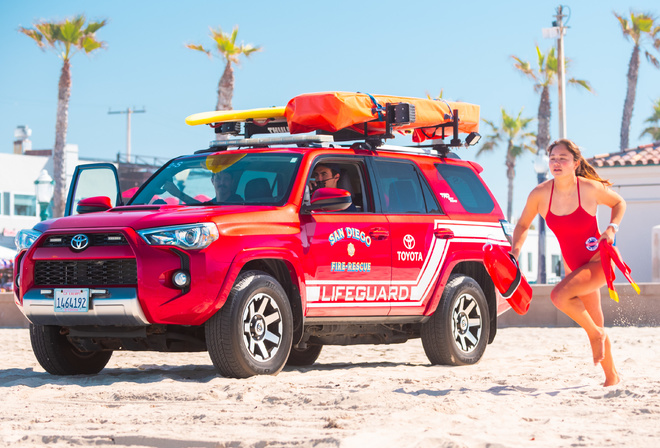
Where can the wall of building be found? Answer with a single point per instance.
(18, 205)
(640, 187)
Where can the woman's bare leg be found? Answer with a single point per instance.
(593, 306)
(567, 296)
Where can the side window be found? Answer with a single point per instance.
(401, 189)
(467, 187)
(347, 174)
(431, 202)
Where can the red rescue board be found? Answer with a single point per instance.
(507, 277)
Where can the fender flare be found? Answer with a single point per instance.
(246, 255)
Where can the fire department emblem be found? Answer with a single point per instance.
(409, 241)
(351, 249)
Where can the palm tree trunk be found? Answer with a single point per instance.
(61, 125)
(510, 174)
(633, 69)
(543, 134)
(226, 88)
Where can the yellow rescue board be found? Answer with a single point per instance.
(224, 116)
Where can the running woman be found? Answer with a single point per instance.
(568, 203)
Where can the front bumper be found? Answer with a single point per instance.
(107, 306)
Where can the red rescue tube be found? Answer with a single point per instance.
(509, 281)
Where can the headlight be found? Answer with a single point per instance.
(26, 238)
(194, 236)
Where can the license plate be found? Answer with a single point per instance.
(71, 300)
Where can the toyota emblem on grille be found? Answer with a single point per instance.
(79, 242)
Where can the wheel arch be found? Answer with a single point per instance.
(477, 271)
(284, 266)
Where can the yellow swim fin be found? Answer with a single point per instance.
(614, 296)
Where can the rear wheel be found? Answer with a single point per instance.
(457, 333)
(59, 357)
(252, 333)
(304, 357)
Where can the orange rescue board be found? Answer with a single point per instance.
(333, 111)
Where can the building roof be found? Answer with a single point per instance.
(642, 155)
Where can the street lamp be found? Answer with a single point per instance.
(541, 167)
(44, 189)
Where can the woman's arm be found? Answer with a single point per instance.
(610, 198)
(522, 226)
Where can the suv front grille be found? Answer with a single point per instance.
(121, 271)
(95, 239)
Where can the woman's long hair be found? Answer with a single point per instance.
(584, 169)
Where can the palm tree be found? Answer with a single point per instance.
(654, 119)
(229, 51)
(518, 140)
(544, 76)
(640, 28)
(65, 38)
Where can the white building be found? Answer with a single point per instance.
(635, 175)
(18, 172)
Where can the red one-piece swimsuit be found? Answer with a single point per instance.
(577, 233)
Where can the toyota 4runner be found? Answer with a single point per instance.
(263, 250)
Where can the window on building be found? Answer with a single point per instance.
(5, 203)
(556, 265)
(25, 205)
(529, 261)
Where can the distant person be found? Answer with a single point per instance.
(568, 203)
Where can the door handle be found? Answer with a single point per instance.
(378, 233)
(443, 234)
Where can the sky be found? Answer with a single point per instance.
(462, 49)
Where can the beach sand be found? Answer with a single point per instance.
(535, 387)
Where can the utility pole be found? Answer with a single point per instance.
(561, 71)
(128, 113)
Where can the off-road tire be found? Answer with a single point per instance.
(59, 357)
(253, 332)
(457, 333)
(304, 357)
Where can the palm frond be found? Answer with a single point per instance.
(34, 34)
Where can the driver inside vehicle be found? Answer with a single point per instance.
(327, 176)
(223, 184)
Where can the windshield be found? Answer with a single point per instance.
(224, 178)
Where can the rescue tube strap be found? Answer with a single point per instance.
(380, 109)
(516, 281)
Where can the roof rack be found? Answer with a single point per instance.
(300, 140)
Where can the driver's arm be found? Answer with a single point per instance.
(174, 191)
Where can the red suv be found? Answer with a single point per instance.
(262, 253)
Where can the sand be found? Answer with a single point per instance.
(535, 387)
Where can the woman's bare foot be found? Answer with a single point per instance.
(598, 345)
(612, 380)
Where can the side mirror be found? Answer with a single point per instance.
(94, 204)
(330, 200)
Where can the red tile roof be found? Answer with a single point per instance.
(642, 155)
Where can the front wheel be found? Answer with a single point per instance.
(59, 357)
(253, 332)
(457, 333)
